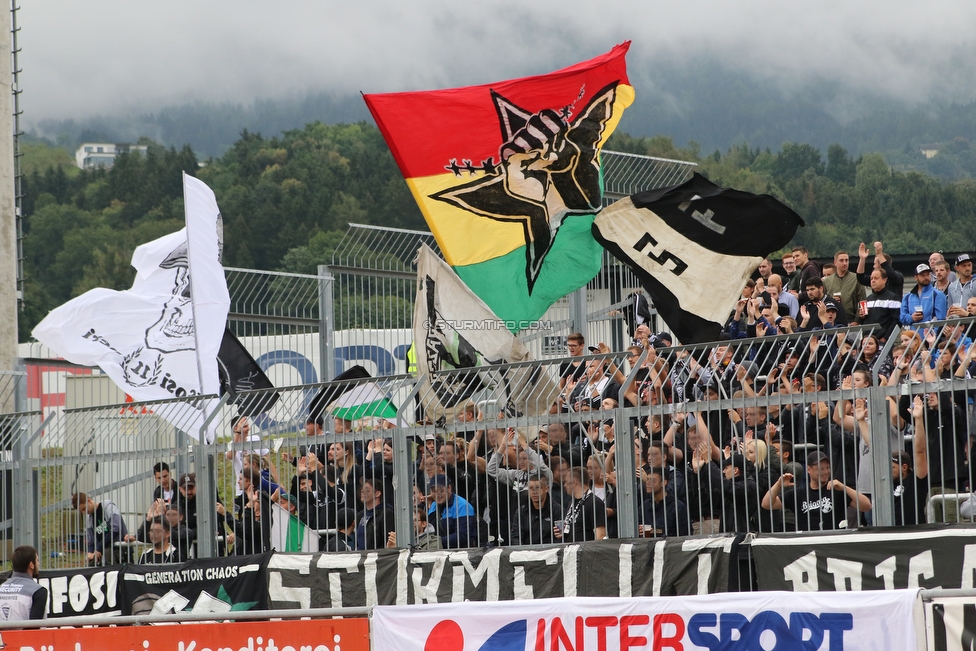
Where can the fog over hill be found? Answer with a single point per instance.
(702, 102)
(872, 75)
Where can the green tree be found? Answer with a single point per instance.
(795, 159)
(840, 167)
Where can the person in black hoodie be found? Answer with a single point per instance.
(940, 440)
(537, 517)
(662, 514)
(741, 496)
(379, 463)
(186, 501)
(180, 535)
(377, 519)
(252, 531)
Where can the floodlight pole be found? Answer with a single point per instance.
(8, 222)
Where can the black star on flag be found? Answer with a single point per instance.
(549, 170)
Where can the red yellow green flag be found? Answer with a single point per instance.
(508, 177)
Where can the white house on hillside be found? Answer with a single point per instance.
(102, 154)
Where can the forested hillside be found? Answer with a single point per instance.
(287, 199)
(690, 98)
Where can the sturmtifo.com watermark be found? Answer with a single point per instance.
(488, 324)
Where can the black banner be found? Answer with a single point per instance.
(214, 585)
(697, 565)
(85, 591)
(397, 577)
(926, 557)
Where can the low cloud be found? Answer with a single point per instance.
(112, 57)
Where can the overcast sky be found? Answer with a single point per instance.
(120, 56)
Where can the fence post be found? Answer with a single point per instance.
(577, 311)
(25, 500)
(20, 388)
(326, 323)
(626, 464)
(403, 495)
(882, 507)
(203, 461)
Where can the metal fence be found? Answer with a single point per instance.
(13, 386)
(712, 438)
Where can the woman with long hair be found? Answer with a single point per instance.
(870, 351)
(596, 471)
(766, 466)
(349, 474)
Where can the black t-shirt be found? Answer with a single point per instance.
(816, 509)
(583, 516)
(910, 496)
(151, 556)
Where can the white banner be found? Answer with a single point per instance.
(454, 329)
(950, 623)
(145, 338)
(759, 621)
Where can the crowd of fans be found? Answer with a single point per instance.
(800, 462)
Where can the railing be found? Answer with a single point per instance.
(617, 444)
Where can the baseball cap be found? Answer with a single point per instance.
(831, 305)
(712, 384)
(291, 498)
(188, 479)
(736, 459)
(438, 480)
(963, 257)
(664, 337)
(922, 268)
(593, 349)
(814, 458)
(901, 458)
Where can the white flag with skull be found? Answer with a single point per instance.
(146, 338)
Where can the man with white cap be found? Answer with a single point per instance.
(923, 303)
(963, 288)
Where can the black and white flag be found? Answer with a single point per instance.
(240, 373)
(693, 246)
(457, 337)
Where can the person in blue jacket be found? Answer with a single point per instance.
(453, 517)
(924, 303)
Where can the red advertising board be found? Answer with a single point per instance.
(289, 635)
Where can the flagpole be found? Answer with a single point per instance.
(193, 293)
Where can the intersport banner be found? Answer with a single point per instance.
(882, 621)
(927, 557)
(399, 577)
